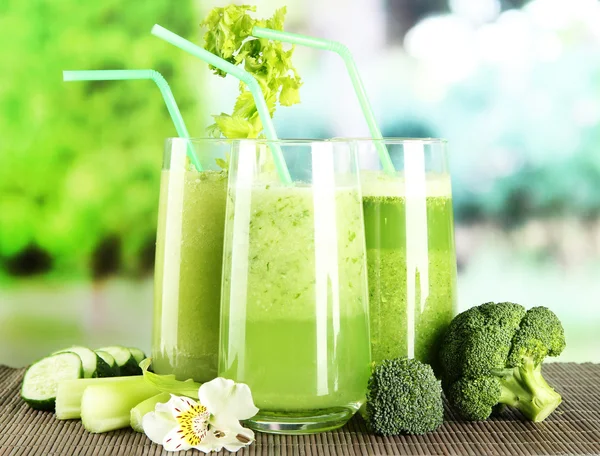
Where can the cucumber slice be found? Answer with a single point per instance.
(125, 360)
(137, 354)
(41, 379)
(110, 360)
(93, 365)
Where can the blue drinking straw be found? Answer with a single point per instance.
(242, 75)
(159, 80)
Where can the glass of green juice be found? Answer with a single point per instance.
(409, 232)
(189, 252)
(294, 321)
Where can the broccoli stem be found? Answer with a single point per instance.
(525, 388)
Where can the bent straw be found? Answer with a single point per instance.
(243, 76)
(159, 80)
(343, 51)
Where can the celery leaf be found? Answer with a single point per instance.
(228, 35)
(168, 383)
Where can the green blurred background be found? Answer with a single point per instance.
(514, 86)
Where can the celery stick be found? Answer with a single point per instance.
(106, 407)
(138, 412)
(70, 392)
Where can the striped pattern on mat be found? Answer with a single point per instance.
(573, 429)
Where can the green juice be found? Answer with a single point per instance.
(187, 283)
(433, 272)
(296, 331)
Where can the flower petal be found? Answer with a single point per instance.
(209, 443)
(236, 444)
(174, 441)
(238, 429)
(157, 425)
(232, 439)
(163, 407)
(180, 404)
(226, 400)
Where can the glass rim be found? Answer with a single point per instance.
(286, 141)
(291, 141)
(198, 140)
(392, 140)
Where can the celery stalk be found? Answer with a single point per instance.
(106, 407)
(70, 392)
(138, 412)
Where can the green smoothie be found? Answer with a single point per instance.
(432, 271)
(187, 283)
(296, 330)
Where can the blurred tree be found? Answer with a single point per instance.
(409, 129)
(80, 162)
(510, 4)
(524, 120)
(403, 14)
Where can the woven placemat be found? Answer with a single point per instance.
(573, 429)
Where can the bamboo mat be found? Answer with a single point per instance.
(574, 428)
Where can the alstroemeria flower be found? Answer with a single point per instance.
(211, 424)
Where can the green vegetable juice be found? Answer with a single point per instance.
(411, 266)
(295, 322)
(187, 284)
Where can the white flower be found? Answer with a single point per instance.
(211, 424)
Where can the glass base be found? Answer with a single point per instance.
(300, 422)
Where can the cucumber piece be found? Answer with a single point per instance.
(42, 378)
(138, 412)
(137, 354)
(108, 407)
(110, 360)
(70, 393)
(93, 365)
(125, 360)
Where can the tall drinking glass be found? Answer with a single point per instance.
(294, 323)
(189, 251)
(411, 260)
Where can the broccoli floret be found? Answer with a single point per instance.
(403, 396)
(492, 355)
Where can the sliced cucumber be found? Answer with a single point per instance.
(41, 379)
(137, 354)
(93, 365)
(125, 360)
(110, 360)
